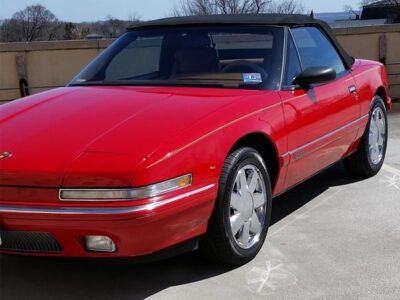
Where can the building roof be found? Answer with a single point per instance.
(332, 17)
(383, 3)
(358, 23)
(247, 19)
(386, 9)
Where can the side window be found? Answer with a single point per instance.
(293, 66)
(316, 50)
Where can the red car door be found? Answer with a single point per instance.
(321, 121)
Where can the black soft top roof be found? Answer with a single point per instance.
(247, 19)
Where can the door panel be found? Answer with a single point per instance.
(321, 121)
(321, 124)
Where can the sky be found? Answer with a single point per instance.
(93, 10)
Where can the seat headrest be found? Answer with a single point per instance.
(196, 60)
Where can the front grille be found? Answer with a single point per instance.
(25, 241)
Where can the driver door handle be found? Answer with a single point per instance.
(352, 89)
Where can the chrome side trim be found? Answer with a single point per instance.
(326, 136)
(99, 210)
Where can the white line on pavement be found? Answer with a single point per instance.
(391, 169)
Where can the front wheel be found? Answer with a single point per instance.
(241, 216)
(370, 155)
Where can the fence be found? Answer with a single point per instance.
(377, 43)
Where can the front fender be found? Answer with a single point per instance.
(202, 149)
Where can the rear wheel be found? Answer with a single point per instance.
(241, 216)
(369, 158)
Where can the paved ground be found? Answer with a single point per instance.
(333, 237)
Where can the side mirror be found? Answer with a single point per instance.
(315, 75)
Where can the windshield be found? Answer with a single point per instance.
(247, 57)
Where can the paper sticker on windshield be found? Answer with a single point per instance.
(252, 78)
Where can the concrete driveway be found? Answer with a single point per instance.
(333, 237)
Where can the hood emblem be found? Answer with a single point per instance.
(5, 154)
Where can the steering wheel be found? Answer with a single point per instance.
(241, 66)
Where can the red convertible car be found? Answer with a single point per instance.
(184, 130)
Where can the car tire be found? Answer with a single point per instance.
(370, 155)
(241, 216)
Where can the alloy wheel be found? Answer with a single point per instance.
(377, 136)
(248, 206)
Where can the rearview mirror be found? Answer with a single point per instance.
(315, 75)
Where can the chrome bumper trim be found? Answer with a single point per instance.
(98, 210)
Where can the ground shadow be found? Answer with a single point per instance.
(39, 278)
(300, 195)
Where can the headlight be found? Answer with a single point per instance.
(126, 194)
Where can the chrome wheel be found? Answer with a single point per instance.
(248, 206)
(377, 136)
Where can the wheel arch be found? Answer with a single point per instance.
(267, 149)
(381, 92)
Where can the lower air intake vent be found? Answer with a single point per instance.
(25, 241)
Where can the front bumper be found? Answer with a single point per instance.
(136, 229)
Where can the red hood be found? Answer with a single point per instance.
(49, 132)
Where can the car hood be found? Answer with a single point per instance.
(109, 128)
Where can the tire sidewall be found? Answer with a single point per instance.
(376, 102)
(247, 157)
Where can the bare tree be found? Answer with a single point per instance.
(70, 31)
(348, 8)
(110, 28)
(241, 7)
(351, 12)
(36, 23)
(288, 7)
(113, 27)
(208, 7)
(134, 18)
(83, 31)
(7, 31)
(195, 7)
(33, 23)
